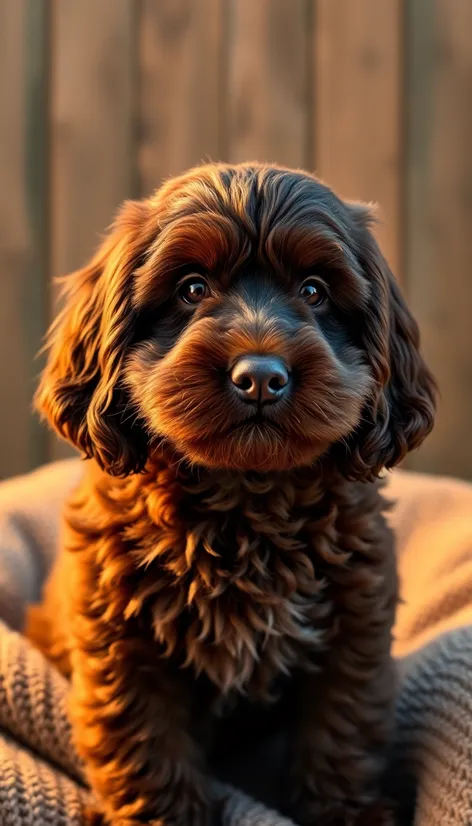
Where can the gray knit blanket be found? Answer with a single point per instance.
(430, 772)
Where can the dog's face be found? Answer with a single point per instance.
(245, 317)
(250, 350)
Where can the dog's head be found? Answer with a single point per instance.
(245, 316)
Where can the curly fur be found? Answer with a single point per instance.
(211, 560)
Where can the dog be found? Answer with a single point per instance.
(239, 366)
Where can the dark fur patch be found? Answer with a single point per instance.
(214, 557)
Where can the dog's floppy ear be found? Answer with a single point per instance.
(80, 391)
(401, 413)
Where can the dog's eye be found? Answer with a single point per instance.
(313, 292)
(194, 289)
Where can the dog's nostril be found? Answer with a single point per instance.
(244, 383)
(277, 382)
(260, 379)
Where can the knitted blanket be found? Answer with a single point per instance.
(430, 774)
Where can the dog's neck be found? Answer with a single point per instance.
(225, 566)
(225, 488)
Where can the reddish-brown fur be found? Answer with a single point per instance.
(209, 558)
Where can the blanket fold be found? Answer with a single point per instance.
(41, 778)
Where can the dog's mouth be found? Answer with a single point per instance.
(257, 442)
(257, 420)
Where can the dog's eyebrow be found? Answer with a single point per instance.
(302, 249)
(208, 240)
(305, 247)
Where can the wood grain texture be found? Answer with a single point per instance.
(439, 216)
(268, 81)
(180, 82)
(23, 228)
(103, 100)
(357, 107)
(92, 126)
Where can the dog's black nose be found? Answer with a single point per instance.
(260, 379)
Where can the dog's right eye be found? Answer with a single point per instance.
(194, 289)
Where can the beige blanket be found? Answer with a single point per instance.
(431, 767)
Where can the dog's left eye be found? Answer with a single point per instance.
(313, 292)
(194, 289)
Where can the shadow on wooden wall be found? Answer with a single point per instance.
(102, 100)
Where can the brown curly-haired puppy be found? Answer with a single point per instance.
(239, 364)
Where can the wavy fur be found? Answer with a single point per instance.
(210, 560)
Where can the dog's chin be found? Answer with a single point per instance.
(261, 448)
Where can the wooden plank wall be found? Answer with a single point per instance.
(101, 101)
(438, 216)
(358, 114)
(267, 107)
(23, 227)
(180, 57)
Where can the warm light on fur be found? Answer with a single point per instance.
(213, 550)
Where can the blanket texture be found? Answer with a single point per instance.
(430, 773)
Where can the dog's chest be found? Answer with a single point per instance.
(242, 609)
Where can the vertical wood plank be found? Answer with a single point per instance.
(23, 226)
(439, 216)
(268, 82)
(93, 100)
(180, 80)
(357, 107)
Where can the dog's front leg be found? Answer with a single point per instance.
(345, 719)
(132, 725)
